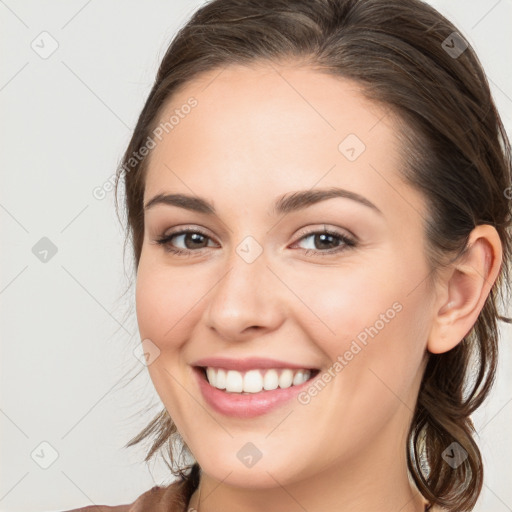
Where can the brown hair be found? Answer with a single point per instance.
(455, 151)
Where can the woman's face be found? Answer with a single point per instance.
(261, 278)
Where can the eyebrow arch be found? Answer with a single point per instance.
(289, 202)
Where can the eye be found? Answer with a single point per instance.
(330, 240)
(191, 238)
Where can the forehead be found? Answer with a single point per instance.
(268, 127)
(273, 106)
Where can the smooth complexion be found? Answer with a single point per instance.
(258, 134)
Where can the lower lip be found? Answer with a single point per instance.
(248, 405)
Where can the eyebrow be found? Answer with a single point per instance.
(288, 203)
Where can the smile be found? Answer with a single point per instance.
(244, 394)
(255, 381)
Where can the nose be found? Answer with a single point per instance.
(246, 301)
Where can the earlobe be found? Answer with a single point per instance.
(464, 288)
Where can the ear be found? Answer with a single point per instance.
(463, 287)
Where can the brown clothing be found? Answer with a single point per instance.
(173, 498)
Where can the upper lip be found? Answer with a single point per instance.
(249, 363)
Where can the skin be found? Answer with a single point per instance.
(258, 133)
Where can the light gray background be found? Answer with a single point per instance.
(68, 333)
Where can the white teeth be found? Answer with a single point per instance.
(285, 379)
(234, 382)
(221, 379)
(212, 376)
(271, 380)
(216, 378)
(299, 378)
(254, 381)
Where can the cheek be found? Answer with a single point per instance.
(167, 304)
(345, 301)
(376, 355)
(373, 317)
(167, 311)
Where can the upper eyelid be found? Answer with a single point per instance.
(344, 232)
(188, 229)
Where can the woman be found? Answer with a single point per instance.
(317, 198)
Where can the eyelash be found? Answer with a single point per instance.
(346, 242)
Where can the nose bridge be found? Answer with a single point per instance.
(244, 296)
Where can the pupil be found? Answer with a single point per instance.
(196, 237)
(323, 238)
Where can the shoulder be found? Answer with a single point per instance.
(171, 498)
